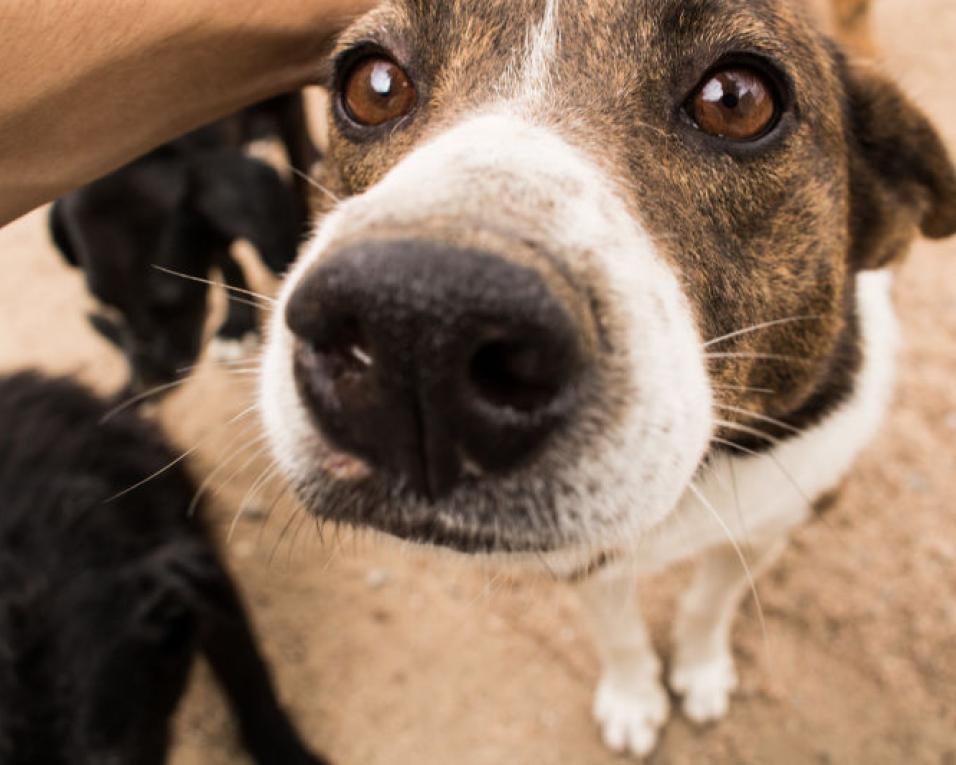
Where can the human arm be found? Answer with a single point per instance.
(87, 85)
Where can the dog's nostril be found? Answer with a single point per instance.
(515, 375)
(345, 349)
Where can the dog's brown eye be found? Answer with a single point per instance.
(378, 91)
(739, 104)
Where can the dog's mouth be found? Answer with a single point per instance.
(344, 467)
(346, 490)
(482, 515)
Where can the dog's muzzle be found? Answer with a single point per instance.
(433, 363)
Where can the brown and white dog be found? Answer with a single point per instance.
(610, 288)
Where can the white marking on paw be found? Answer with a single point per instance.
(631, 714)
(706, 688)
(224, 351)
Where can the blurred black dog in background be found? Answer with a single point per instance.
(105, 604)
(180, 208)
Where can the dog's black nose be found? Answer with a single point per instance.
(432, 362)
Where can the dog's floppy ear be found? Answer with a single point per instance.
(901, 176)
(244, 198)
(60, 235)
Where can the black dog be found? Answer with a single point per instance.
(180, 208)
(104, 604)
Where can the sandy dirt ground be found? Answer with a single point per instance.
(388, 656)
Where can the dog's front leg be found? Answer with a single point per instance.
(703, 667)
(631, 704)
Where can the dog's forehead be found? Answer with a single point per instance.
(598, 37)
(595, 67)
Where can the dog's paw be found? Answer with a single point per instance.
(631, 714)
(706, 688)
(225, 350)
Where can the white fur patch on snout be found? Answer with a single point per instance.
(499, 171)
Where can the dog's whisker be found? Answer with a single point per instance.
(228, 367)
(488, 589)
(296, 512)
(303, 520)
(735, 447)
(254, 490)
(713, 464)
(547, 567)
(264, 307)
(255, 357)
(130, 403)
(743, 560)
(186, 455)
(759, 327)
(243, 371)
(758, 356)
(208, 481)
(241, 511)
(761, 418)
(745, 389)
(227, 287)
(335, 546)
(285, 490)
(736, 492)
(319, 530)
(769, 455)
(314, 183)
(774, 459)
(759, 434)
(793, 481)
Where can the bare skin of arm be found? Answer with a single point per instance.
(88, 85)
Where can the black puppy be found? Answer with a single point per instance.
(105, 604)
(180, 208)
